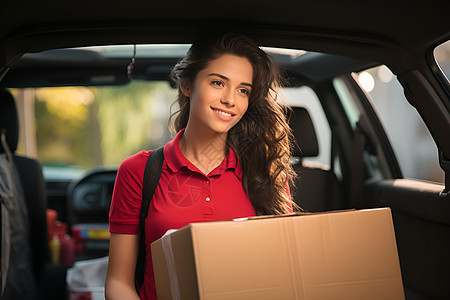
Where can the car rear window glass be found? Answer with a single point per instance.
(87, 127)
(413, 145)
(442, 56)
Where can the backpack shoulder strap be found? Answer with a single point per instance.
(152, 174)
(151, 178)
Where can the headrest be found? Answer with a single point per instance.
(9, 120)
(304, 133)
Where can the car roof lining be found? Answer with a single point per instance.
(380, 18)
(366, 47)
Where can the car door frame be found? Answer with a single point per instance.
(420, 209)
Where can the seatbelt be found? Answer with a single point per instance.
(333, 150)
(445, 165)
(152, 174)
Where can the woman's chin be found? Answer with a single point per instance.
(221, 128)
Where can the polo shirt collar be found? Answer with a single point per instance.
(176, 160)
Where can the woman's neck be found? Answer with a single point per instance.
(206, 150)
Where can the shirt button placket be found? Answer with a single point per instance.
(208, 210)
(208, 188)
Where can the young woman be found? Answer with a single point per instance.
(229, 159)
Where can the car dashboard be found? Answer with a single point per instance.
(83, 205)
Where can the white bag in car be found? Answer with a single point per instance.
(86, 279)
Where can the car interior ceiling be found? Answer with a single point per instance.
(336, 44)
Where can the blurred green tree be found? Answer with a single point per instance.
(97, 126)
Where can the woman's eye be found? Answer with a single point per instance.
(217, 83)
(244, 91)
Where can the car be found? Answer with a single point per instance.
(368, 86)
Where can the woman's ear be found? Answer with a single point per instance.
(185, 88)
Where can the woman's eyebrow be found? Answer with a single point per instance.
(227, 79)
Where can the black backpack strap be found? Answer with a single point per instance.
(152, 174)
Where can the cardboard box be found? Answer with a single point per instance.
(338, 255)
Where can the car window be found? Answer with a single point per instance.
(414, 148)
(80, 128)
(348, 99)
(442, 56)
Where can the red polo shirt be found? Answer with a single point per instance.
(183, 195)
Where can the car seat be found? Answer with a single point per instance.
(316, 186)
(32, 185)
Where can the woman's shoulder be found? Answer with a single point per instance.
(135, 163)
(137, 158)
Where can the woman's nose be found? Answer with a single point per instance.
(228, 98)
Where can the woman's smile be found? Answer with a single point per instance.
(223, 114)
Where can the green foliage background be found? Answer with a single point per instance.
(96, 126)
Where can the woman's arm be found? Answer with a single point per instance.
(123, 252)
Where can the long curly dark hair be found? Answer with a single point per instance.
(261, 139)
